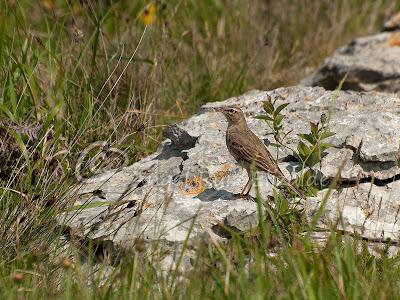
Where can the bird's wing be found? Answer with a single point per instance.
(251, 149)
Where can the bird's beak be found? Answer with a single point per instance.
(219, 109)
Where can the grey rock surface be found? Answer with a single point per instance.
(187, 187)
(366, 210)
(371, 63)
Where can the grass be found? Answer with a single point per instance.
(93, 71)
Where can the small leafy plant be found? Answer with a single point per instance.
(274, 118)
(310, 148)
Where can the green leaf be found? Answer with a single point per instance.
(283, 206)
(303, 149)
(7, 112)
(312, 159)
(11, 95)
(312, 191)
(280, 108)
(327, 134)
(274, 145)
(308, 137)
(265, 118)
(51, 115)
(325, 146)
(269, 107)
(278, 120)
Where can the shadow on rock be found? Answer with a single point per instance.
(213, 194)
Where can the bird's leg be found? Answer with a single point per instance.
(243, 193)
(248, 185)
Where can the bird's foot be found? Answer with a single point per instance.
(243, 196)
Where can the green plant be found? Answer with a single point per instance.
(310, 149)
(311, 152)
(274, 118)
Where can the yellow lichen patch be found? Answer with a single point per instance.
(220, 174)
(147, 205)
(148, 15)
(394, 40)
(192, 186)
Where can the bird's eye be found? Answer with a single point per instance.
(231, 110)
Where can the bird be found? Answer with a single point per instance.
(248, 150)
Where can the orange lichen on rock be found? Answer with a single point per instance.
(225, 169)
(192, 186)
(394, 40)
(148, 205)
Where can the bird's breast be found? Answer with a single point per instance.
(230, 140)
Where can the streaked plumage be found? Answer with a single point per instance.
(238, 141)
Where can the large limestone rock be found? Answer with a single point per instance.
(187, 186)
(371, 63)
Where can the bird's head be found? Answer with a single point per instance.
(233, 114)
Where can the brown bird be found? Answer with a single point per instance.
(248, 150)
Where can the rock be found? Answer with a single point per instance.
(371, 63)
(187, 187)
(393, 23)
(181, 138)
(241, 221)
(367, 210)
(376, 248)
